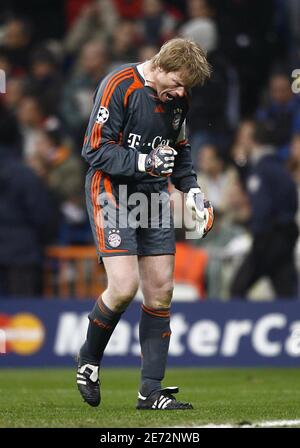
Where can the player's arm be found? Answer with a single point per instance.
(184, 176)
(103, 148)
(184, 179)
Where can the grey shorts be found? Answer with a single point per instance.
(129, 219)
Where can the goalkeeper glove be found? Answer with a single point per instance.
(202, 211)
(159, 162)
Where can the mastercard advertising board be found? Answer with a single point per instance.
(49, 333)
(22, 333)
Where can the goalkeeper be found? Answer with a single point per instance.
(135, 140)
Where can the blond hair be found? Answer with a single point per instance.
(186, 56)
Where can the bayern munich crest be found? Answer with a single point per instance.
(114, 239)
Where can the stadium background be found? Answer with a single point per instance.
(53, 54)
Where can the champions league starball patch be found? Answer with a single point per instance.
(114, 239)
(177, 118)
(102, 115)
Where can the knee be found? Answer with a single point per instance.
(159, 294)
(165, 291)
(122, 293)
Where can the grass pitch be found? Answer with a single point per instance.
(49, 398)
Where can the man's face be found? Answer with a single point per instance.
(29, 113)
(280, 89)
(93, 58)
(169, 85)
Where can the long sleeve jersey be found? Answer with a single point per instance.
(272, 193)
(128, 119)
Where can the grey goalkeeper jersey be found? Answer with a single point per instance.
(128, 119)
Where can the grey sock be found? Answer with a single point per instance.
(155, 335)
(102, 323)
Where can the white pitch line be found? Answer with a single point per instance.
(276, 423)
(266, 424)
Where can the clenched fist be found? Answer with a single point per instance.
(159, 162)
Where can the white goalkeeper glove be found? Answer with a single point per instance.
(202, 211)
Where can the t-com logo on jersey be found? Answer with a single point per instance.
(102, 115)
(22, 334)
(134, 141)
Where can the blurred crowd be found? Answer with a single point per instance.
(244, 128)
